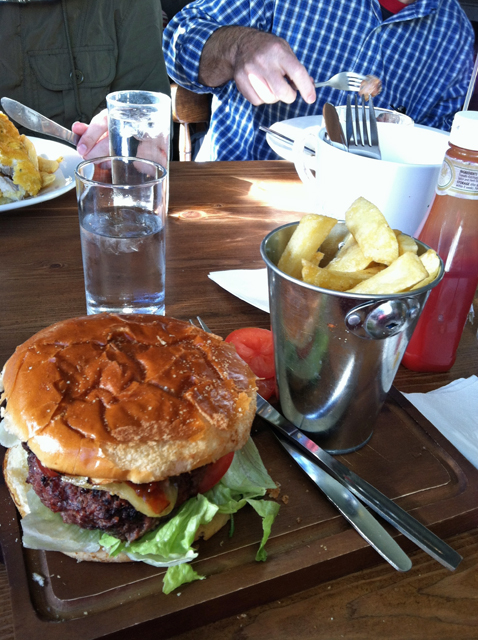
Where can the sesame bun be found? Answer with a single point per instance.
(138, 397)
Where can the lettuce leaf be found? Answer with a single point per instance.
(170, 545)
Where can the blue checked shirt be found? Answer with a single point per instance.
(423, 55)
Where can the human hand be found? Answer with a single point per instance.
(94, 141)
(266, 70)
(264, 67)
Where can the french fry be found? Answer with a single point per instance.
(316, 258)
(431, 262)
(329, 279)
(350, 257)
(48, 166)
(403, 273)
(304, 242)
(405, 243)
(371, 231)
(46, 179)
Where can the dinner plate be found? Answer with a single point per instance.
(64, 176)
(290, 128)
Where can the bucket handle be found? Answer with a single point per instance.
(382, 319)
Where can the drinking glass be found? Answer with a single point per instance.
(139, 125)
(122, 218)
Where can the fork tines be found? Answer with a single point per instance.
(362, 132)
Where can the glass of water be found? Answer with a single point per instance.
(122, 219)
(139, 126)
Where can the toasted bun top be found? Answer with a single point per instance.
(138, 397)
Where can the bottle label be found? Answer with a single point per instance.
(458, 179)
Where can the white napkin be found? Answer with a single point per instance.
(454, 412)
(249, 285)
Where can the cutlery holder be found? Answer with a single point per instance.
(336, 353)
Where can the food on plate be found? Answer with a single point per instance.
(364, 255)
(256, 347)
(122, 432)
(303, 244)
(370, 86)
(22, 172)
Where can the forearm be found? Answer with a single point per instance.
(218, 58)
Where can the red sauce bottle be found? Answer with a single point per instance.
(451, 228)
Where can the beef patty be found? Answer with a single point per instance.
(96, 509)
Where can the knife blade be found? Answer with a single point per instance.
(332, 124)
(352, 510)
(36, 122)
(367, 493)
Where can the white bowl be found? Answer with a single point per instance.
(401, 184)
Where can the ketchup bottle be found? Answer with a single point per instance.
(451, 228)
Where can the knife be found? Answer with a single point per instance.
(36, 122)
(332, 124)
(284, 138)
(352, 510)
(389, 510)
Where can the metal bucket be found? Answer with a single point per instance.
(336, 353)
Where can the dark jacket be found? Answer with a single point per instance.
(111, 45)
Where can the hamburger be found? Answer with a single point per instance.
(128, 438)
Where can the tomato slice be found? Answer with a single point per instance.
(49, 473)
(215, 471)
(255, 346)
(266, 387)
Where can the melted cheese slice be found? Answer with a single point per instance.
(125, 491)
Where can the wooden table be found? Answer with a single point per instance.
(219, 213)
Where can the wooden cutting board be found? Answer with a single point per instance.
(406, 458)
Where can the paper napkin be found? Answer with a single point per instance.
(454, 412)
(249, 285)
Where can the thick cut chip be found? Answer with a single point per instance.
(329, 279)
(405, 243)
(49, 166)
(431, 262)
(372, 232)
(402, 274)
(350, 257)
(304, 242)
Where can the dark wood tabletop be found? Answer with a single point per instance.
(218, 215)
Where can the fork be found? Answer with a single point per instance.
(345, 81)
(362, 139)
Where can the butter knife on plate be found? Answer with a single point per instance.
(34, 121)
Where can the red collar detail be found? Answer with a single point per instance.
(394, 6)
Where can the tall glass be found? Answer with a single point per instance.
(122, 218)
(139, 125)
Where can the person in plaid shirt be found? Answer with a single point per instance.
(260, 58)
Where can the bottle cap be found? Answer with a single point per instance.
(464, 130)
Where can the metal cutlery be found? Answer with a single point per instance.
(352, 510)
(389, 510)
(345, 81)
(283, 138)
(385, 507)
(362, 137)
(33, 120)
(332, 124)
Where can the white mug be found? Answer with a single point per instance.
(402, 184)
